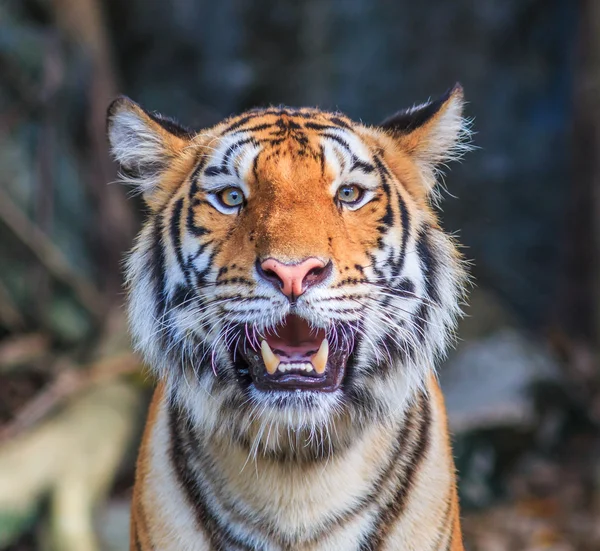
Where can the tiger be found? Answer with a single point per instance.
(292, 291)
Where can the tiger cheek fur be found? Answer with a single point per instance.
(292, 290)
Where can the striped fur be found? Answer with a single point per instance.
(226, 466)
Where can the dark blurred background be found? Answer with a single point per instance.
(522, 386)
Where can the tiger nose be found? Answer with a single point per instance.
(294, 279)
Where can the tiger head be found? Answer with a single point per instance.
(291, 272)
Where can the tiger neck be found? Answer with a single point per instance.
(296, 493)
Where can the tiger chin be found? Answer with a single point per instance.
(292, 291)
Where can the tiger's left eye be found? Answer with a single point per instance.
(231, 197)
(349, 194)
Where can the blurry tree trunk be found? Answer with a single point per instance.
(83, 21)
(581, 291)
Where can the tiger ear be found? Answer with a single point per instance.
(432, 133)
(144, 144)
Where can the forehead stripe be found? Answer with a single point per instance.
(256, 128)
(241, 122)
(356, 162)
(317, 126)
(339, 122)
(203, 159)
(216, 170)
(233, 148)
(340, 141)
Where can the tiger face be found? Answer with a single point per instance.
(291, 273)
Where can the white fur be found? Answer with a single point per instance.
(138, 147)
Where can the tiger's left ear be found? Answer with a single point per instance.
(432, 133)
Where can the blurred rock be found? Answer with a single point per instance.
(487, 381)
(112, 523)
(484, 314)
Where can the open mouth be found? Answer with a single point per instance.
(294, 356)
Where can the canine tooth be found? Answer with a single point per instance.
(271, 361)
(319, 360)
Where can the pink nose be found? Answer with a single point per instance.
(294, 279)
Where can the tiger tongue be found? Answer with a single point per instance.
(294, 331)
(292, 352)
(294, 340)
(318, 361)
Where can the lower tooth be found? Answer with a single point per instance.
(283, 367)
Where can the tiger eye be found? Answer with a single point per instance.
(232, 197)
(349, 193)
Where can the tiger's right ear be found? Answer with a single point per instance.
(144, 144)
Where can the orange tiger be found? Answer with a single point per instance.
(292, 291)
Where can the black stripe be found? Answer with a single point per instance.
(401, 448)
(158, 268)
(429, 264)
(176, 239)
(318, 126)
(322, 159)
(230, 150)
(255, 166)
(201, 275)
(238, 280)
(193, 228)
(196, 174)
(341, 142)
(387, 517)
(420, 320)
(201, 249)
(183, 452)
(216, 171)
(373, 263)
(339, 122)
(180, 296)
(171, 126)
(240, 122)
(405, 288)
(388, 219)
(257, 128)
(362, 165)
(398, 266)
(273, 141)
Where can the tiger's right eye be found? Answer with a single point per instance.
(231, 197)
(350, 194)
